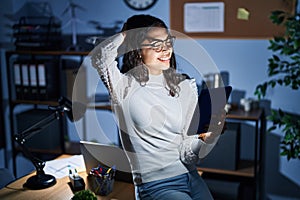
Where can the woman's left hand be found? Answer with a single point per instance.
(216, 127)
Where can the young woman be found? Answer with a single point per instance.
(154, 105)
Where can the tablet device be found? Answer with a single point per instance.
(211, 101)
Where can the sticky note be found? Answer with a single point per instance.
(243, 14)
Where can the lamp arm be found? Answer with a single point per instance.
(38, 163)
(38, 126)
(22, 137)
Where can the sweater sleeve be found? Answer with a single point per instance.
(192, 148)
(187, 155)
(103, 59)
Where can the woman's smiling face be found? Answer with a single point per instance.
(157, 50)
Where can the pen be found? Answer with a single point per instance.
(107, 172)
(97, 173)
(71, 175)
(75, 174)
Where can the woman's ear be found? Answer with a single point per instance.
(139, 54)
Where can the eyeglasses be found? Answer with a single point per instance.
(158, 45)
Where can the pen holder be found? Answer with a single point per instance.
(101, 185)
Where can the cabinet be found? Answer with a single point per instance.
(36, 79)
(246, 171)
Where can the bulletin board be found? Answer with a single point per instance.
(256, 25)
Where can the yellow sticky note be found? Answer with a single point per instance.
(243, 14)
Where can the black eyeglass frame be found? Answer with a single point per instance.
(158, 48)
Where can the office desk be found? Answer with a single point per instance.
(61, 190)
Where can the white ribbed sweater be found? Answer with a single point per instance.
(153, 125)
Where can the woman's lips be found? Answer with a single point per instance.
(167, 59)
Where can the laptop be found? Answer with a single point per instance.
(107, 156)
(211, 101)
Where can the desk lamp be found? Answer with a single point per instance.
(42, 180)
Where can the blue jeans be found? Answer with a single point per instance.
(186, 186)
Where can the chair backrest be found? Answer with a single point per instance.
(5, 177)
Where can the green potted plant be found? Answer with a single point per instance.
(84, 195)
(284, 70)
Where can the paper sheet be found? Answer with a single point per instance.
(59, 168)
(243, 14)
(204, 17)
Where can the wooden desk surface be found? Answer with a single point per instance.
(61, 190)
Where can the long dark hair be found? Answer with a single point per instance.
(136, 28)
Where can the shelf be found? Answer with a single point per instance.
(253, 115)
(42, 151)
(51, 103)
(71, 148)
(51, 141)
(100, 106)
(245, 169)
(50, 53)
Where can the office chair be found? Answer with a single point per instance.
(5, 177)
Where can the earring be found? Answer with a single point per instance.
(140, 58)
